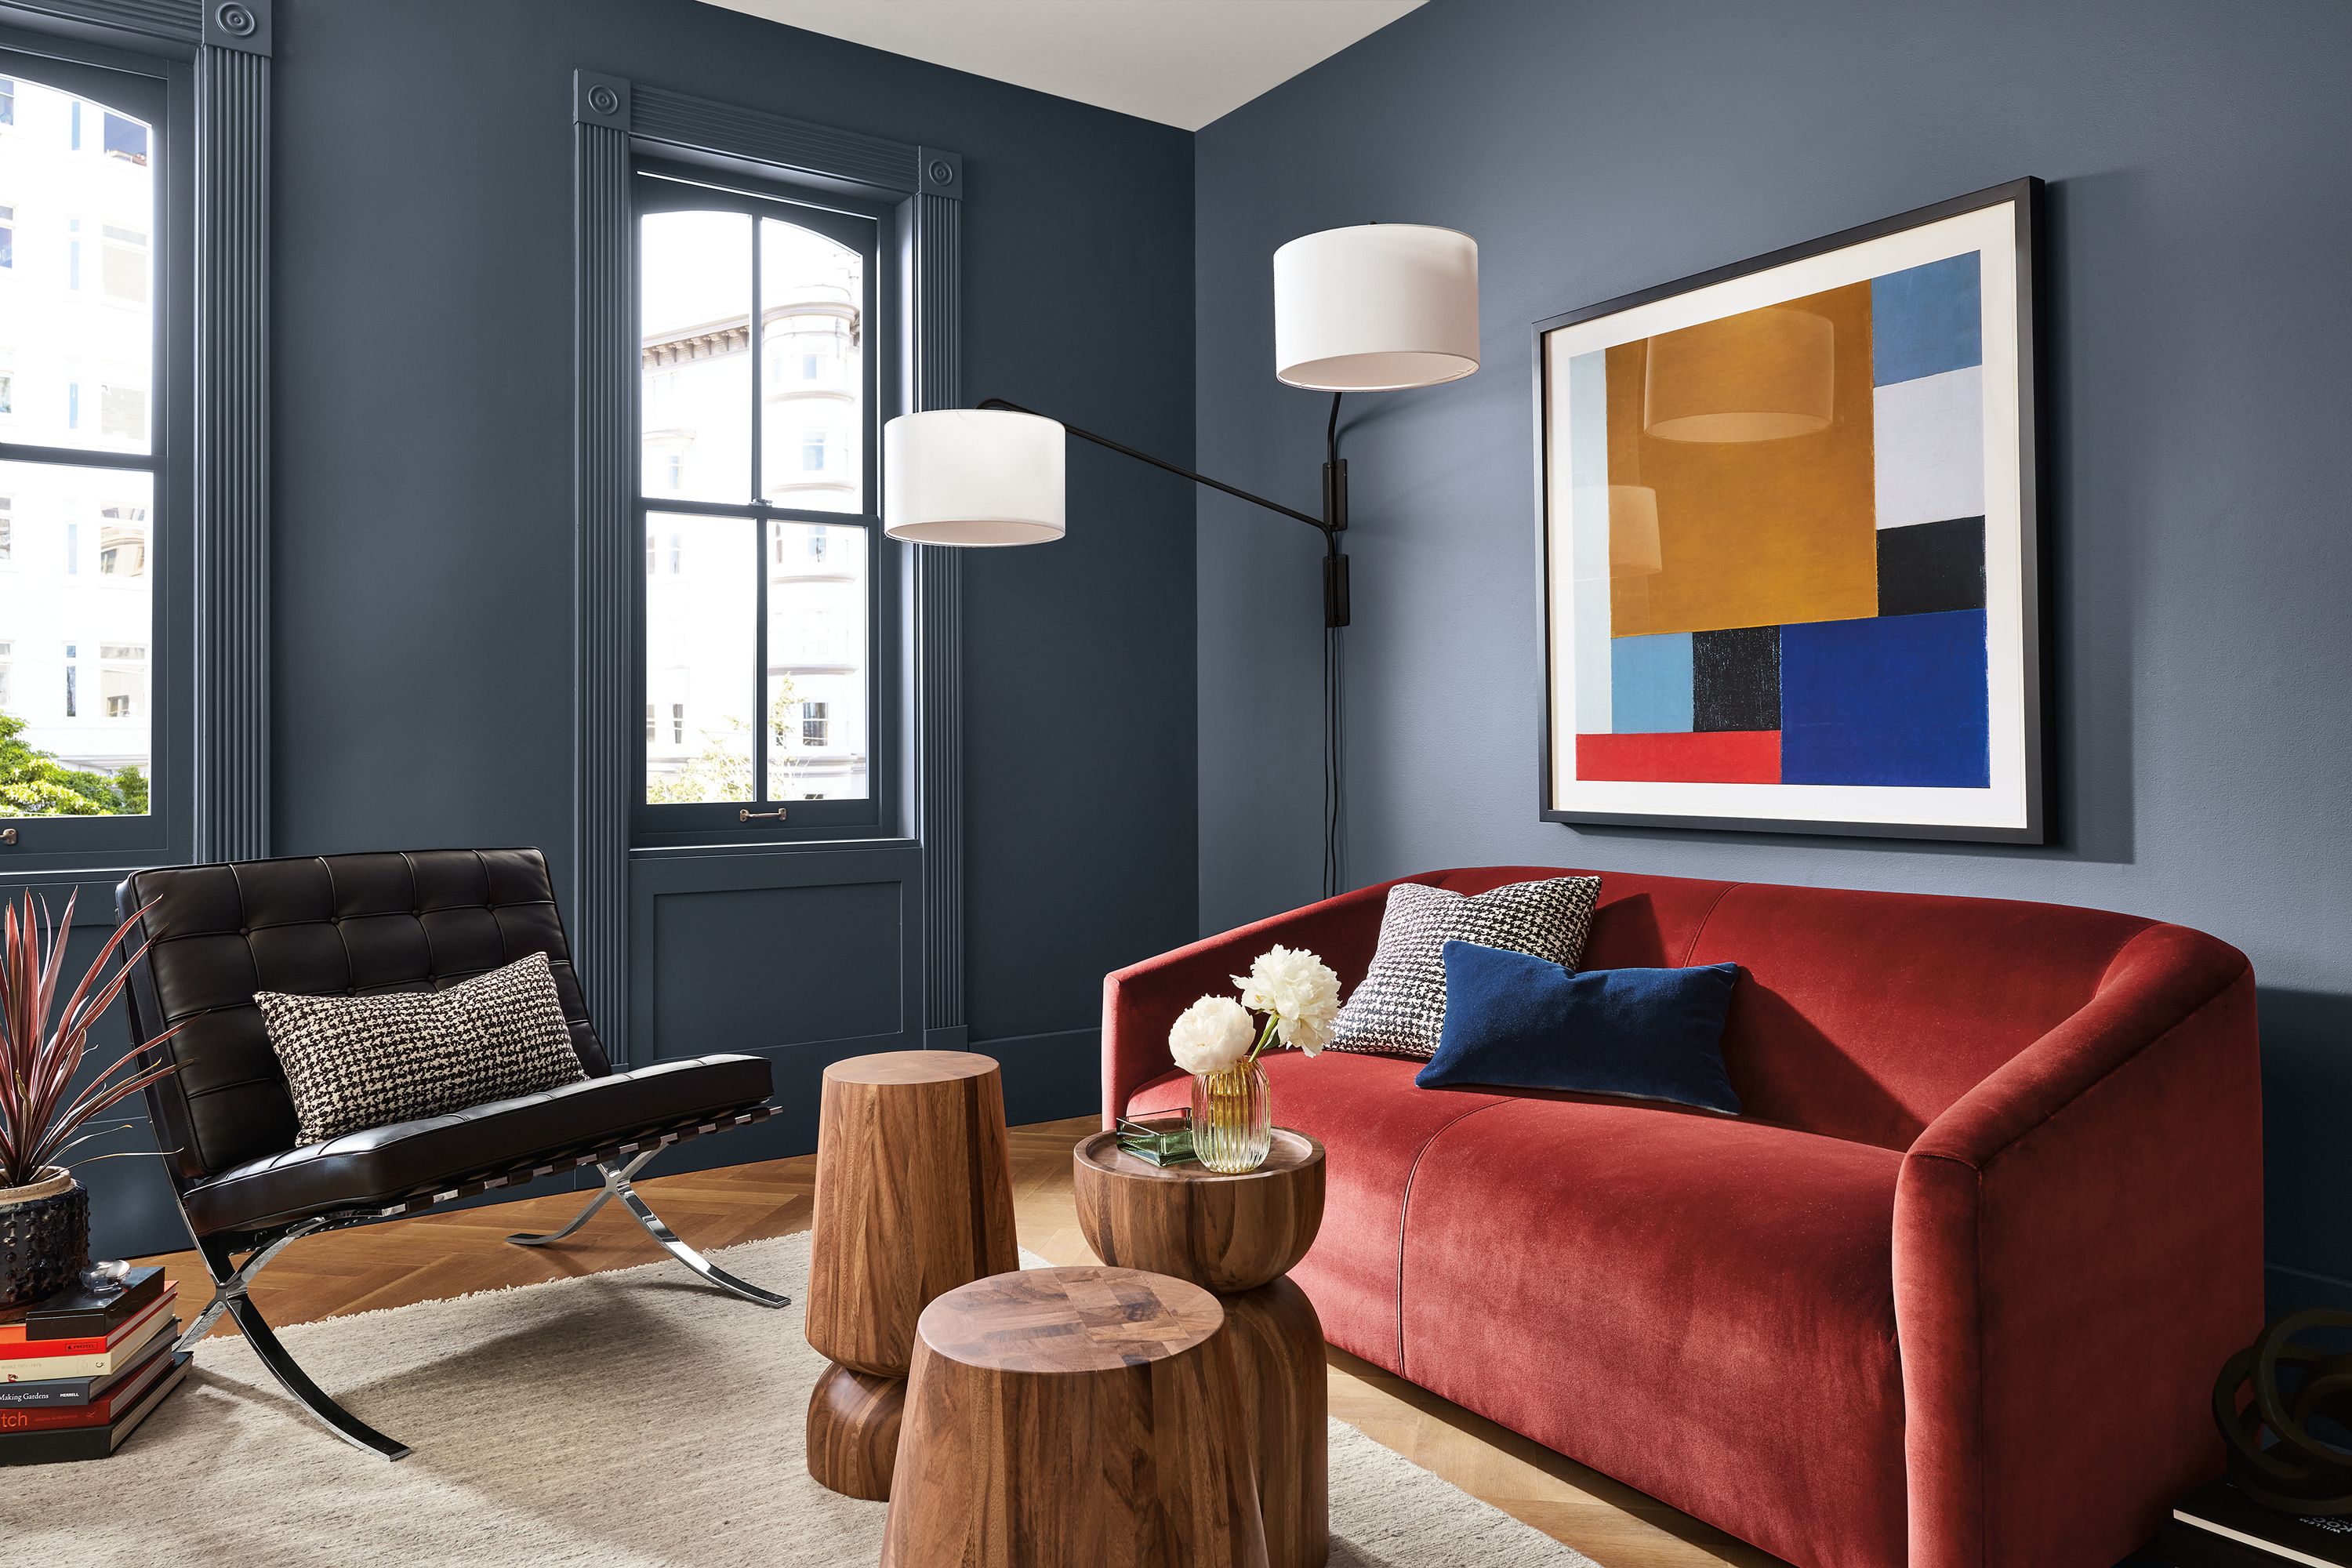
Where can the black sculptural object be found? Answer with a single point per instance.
(2296, 1471)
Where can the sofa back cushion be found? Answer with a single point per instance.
(1858, 1016)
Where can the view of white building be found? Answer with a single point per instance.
(77, 343)
(701, 591)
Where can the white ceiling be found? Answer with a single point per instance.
(1181, 62)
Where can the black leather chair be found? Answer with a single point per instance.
(211, 936)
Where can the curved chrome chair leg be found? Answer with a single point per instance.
(662, 1233)
(229, 1281)
(541, 1238)
(229, 1295)
(306, 1394)
(616, 1186)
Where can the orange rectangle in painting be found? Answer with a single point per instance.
(1752, 434)
(1706, 756)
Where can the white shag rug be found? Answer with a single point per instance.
(618, 1420)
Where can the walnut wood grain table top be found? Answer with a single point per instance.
(910, 1066)
(1229, 1233)
(1046, 1321)
(1292, 1152)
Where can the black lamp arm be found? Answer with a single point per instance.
(1121, 447)
(1330, 525)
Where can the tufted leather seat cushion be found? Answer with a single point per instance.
(384, 1164)
(333, 925)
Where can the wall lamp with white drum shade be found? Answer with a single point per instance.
(970, 476)
(1375, 308)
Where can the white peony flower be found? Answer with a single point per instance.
(1212, 1033)
(1300, 992)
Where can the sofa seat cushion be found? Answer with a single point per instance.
(382, 1165)
(1699, 1307)
(1373, 1123)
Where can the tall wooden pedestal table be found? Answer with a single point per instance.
(914, 1197)
(1238, 1236)
(1074, 1418)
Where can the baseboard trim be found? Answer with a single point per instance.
(1048, 1077)
(2287, 1289)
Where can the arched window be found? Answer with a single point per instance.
(758, 406)
(82, 476)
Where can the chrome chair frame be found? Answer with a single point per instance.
(616, 1186)
(231, 1280)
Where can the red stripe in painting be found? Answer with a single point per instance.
(1715, 756)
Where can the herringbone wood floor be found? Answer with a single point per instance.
(432, 1256)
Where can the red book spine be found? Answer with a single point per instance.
(53, 1420)
(31, 1350)
(96, 1413)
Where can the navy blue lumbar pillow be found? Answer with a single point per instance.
(1516, 1022)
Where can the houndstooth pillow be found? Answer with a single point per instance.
(354, 1062)
(1400, 1005)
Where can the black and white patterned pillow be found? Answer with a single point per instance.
(355, 1062)
(1400, 1005)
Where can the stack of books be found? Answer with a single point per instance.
(2220, 1527)
(79, 1370)
(1161, 1140)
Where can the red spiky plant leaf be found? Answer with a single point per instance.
(41, 1055)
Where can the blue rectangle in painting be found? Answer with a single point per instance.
(1926, 320)
(1650, 684)
(1891, 700)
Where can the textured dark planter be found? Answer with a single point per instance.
(44, 1241)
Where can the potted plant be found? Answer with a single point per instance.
(44, 1211)
(1216, 1042)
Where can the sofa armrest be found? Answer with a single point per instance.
(2077, 1249)
(1141, 1001)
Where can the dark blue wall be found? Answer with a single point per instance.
(422, 543)
(2200, 383)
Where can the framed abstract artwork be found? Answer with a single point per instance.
(1790, 542)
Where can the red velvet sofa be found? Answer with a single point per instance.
(1953, 1291)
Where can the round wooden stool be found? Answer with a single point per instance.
(914, 1197)
(1074, 1418)
(1238, 1236)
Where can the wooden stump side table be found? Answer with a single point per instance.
(1237, 1235)
(1074, 1418)
(914, 1197)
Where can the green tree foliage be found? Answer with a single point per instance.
(722, 770)
(35, 783)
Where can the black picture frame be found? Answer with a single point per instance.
(2026, 195)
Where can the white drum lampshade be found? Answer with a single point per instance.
(972, 476)
(1375, 308)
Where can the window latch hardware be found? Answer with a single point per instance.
(775, 815)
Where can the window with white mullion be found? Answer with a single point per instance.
(758, 407)
(80, 458)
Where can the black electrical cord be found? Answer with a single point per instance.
(1334, 749)
(1333, 709)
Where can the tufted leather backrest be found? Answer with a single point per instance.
(333, 925)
